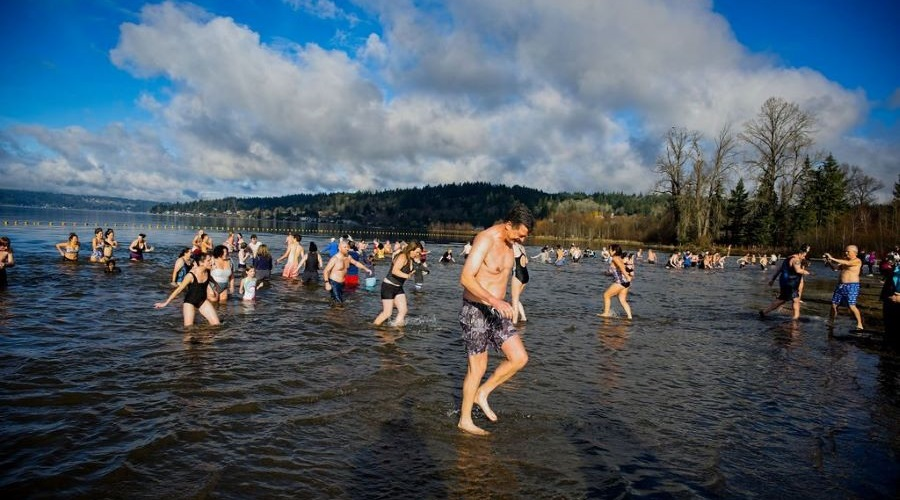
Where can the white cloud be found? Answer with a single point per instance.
(562, 96)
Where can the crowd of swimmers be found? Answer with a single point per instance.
(205, 266)
(209, 267)
(492, 263)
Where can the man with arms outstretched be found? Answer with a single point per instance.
(486, 317)
(847, 289)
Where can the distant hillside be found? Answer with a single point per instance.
(85, 202)
(477, 203)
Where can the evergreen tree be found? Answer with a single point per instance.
(825, 194)
(737, 213)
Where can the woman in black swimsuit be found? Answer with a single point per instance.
(519, 280)
(197, 292)
(392, 286)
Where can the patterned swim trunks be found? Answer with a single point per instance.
(845, 294)
(483, 327)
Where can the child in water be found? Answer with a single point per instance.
(111, 267)
(249, 284)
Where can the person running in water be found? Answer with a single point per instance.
(196, 285)
(486, 317)
(392, 294)
(790, 276)
(622, 275)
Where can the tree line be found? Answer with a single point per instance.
(800, 194)
(458, 206)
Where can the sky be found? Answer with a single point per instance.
(177, 101)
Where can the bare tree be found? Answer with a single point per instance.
(670, 166)
(861, 190)
(722, 162)
(779, 135)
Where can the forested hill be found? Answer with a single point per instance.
(86, 202)
(477, 203)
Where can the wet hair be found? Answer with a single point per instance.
(616, 249)
(219, 251)
(263, 250)
(72, 235)
(313, 247)
(244, 244)
(142, 235)
(804, 248)
(98, 230)
(109, 231)
(184, 251)
(5, 241)
(520, 215)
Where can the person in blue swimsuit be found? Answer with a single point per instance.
(789, 276)
(182, 266)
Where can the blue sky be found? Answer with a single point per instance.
(166, 101)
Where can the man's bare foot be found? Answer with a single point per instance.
(604, 315)
(471, 428)
(481, 401)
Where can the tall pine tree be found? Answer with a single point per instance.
(737, 213)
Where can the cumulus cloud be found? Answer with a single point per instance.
(562, 96)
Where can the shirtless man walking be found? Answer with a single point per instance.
(486, 317)
(336, 270)
(847, 289)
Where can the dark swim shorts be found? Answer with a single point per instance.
(483, 327)
(337, 291)
(389, 290)
(788, 293)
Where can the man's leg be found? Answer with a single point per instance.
(857, 315)
(516, 359)
(477, 367)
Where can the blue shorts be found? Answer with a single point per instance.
(845, 294)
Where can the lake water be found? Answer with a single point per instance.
(104, 397)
